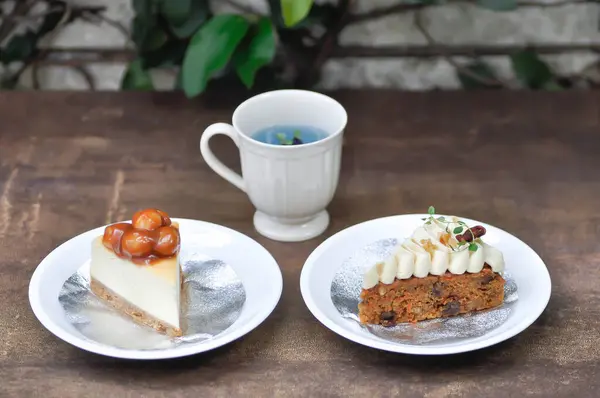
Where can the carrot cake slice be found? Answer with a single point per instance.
(444, 269)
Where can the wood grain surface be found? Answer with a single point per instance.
(526, 162)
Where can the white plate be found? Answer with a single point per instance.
(253, 264)
(527, 268)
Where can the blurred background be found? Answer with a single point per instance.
(200, 45)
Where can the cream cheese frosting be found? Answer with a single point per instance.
(434, 249)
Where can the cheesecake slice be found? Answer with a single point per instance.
(135, 269)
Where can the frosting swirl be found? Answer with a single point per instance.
(435, 248)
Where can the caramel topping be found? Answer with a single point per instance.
(113, 234)
(150, 219)
(151, 236)
(168, 241)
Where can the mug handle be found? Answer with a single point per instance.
(210, 158)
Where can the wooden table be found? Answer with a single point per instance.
(526, 162)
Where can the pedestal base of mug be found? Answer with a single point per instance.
(280, 230)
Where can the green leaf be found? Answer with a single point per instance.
(498, 5)
(478, 68)
(136, 77)
(431, 210)
(176, 11)
(282, 140)
(139, 30)
(145, 32)
(210, 50)
(530, 69)
(457, 230)
(294, 11)
(20, 47)
(473, 247)
(320, 14)
(197, 14)
(257, 54)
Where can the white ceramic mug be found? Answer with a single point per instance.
(290, 185)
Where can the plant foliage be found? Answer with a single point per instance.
(286, 48)
(531, 71)
(186, 33)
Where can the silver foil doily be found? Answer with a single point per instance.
(347, 286)
(212, 300)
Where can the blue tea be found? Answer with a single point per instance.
(289, 135)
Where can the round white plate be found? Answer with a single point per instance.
(252, 263)
(527, 268)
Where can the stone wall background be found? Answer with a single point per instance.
(569, 23)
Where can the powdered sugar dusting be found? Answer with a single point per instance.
(345, 294)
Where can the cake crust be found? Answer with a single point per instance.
(418, 299)
(139, 316)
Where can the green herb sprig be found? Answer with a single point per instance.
(457, 230)
(294, 141)
(282, 140)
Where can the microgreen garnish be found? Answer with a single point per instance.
(283, 140)
(296, 140)
(457, 230)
